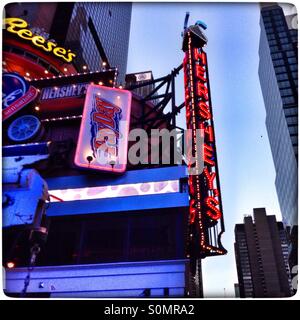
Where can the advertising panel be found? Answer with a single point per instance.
(103, 137)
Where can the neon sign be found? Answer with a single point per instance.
(103, 137)
(68, 91)
(18, 26)
(16, 94)
(204, 189)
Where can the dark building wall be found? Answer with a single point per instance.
(279, 242)
(262, 263)
(254, 257)
(61, 21)
(266, 247)
(36, 14)
(243, 263)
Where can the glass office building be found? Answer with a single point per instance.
(278, 73)
(101, 31)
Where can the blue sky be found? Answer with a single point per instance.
(245, 162)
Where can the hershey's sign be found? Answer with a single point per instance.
(69, 91)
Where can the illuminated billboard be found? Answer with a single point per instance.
(20, 28)
(63, 98)
(206, 214)
(103, 137)
(16, 94)
(65, 95)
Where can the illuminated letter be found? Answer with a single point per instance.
(15, 23)
(208, 130)
(204, 110)
(38, 41)
(202, 91)
(200, 56)
(71, 55)
(210, 176)
(207, 154)
(200, 71)
(105, 113)
(25, 34)
(50, 46)
(211, 203)
(59, 52)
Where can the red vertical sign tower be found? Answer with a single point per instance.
(205, 213)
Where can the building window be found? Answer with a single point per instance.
(274, 49)
(280, 29)
(293, 67)
(284, 40)
(291, 111)
(294, 140)
(292, 120)
(288, 46)
(271, 36)
(283, 76)
(282, 34)
(293, 129)
(280, 69)
(287, 100)
(295, 75)
(293, 32)
(284, 84)
(279, 62)
(279, 23)
(265, 13)
(268, 24)
(290, 54)
(277, 17)
(272, 42)
(292, 60)
(276, 55)
(286, 92)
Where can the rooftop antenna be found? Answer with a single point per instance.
(186, 20)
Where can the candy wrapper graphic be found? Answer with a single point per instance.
(105, 132)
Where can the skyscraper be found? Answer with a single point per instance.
(278, 73)
(97, 32)
(261, 252)
(102, 32)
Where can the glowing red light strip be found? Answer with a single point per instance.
(194, 130)
(208, 151)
